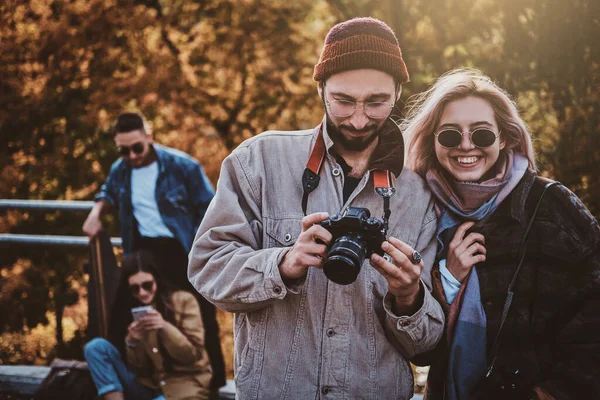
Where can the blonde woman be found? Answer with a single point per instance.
(466, 138)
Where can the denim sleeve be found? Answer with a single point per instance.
(420, 332)
(227, 263)
(109, 190)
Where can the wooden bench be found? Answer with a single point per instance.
(23, 380)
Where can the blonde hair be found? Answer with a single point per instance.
(425, 111)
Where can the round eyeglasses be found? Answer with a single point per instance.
(480, 137)
(373, 109)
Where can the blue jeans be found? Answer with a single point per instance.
(110, 374)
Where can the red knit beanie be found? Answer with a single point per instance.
(361, 43)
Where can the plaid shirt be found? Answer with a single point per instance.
(183, 193)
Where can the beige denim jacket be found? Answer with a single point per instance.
(316, 339)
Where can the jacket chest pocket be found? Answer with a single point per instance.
(282, 232)
(177, 198)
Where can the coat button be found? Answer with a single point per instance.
(277, 289)
(330, 332)
(288, 237)
(154, 350)
(163, 383)
(336, 172)
(325, 390)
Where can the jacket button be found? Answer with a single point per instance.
(330, 332)
(163, 383)
(154, 350)
(325, 390)
(336, 172)
(277, 289)
(288, 237)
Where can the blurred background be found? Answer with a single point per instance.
(209, 74)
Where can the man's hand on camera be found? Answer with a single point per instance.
(310, 249)
(401, 274)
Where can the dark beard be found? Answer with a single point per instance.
(356, 145)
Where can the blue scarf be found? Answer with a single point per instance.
(467, 359)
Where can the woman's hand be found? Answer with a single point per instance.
(152, 320)
(464, 252)
(135, 331)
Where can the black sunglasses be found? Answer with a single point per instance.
(137, 148)
(135, 288)
(481, 137)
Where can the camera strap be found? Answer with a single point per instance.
(383, 180)
(511, 286)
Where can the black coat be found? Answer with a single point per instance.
(552, 332)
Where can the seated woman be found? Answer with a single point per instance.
(466, 138)
(161, 355)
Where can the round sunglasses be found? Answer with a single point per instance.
(135, 288)
(137, 148)
(480, 137)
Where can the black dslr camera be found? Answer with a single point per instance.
(356, 235)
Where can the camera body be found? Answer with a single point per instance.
(356, 235)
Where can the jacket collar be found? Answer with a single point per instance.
(514, 206)
(161, 157)
(388, 155)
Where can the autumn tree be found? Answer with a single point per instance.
(209, 74)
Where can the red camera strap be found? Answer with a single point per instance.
(383, 180)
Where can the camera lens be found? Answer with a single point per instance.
(344, 259)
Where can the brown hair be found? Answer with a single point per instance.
(120, 315)
(425, 111)
(130, 121)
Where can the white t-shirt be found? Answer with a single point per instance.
(143, 198)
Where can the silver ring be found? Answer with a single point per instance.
(416, 257)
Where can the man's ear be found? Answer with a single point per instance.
(320, 88)
(149, 135)
(398, 91)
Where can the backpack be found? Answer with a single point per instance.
(67, 380)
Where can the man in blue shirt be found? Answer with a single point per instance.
(161, 195)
